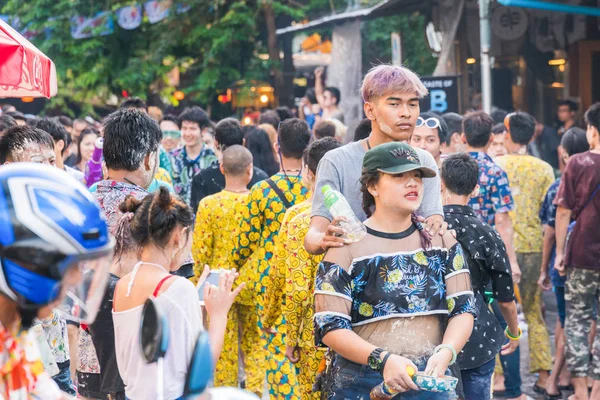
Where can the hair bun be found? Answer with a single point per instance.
(164, 199)
(130, 205)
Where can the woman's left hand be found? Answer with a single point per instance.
(438, 363)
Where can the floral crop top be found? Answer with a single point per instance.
(387, 276)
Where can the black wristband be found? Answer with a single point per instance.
(384, 361)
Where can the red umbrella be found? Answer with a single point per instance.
(24, 70)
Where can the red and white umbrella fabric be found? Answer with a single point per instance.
(24, 70)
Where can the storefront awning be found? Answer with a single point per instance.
(383, 8)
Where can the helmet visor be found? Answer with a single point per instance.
(83, 287)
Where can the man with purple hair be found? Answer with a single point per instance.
(391, 97)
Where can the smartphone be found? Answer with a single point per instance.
(213, 279)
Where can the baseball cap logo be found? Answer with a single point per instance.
(408, 154)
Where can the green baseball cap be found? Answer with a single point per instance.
(394, 158)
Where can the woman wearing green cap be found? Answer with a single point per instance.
(398, 299)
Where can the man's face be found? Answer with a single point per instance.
(208, 139)
(565, 114)
(77, 128)
(395, 114)
(427, 139)
(497, 147)
(328, 99)
(171, 135)
(592, 136)
(36, 153)
(191, 133)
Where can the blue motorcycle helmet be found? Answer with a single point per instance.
(55, 248)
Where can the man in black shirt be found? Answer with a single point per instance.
(210, 180)
(490, 269)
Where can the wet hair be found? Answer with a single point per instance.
(84, 133)
(370, 179)
(258, 143)
(574, 141)
(573, 106)
(195, 114)
(172, 118)
(55, 129)
(6, 122)
(154, 218)
(324, 128)
(65, 121)
(20, 138)
(317, 149)
(270, 117)
(442, 130)
(129, 136)
(335, 92)
(385, 79)
(498, 115)
(592, 116)
(362, 130)
(498, 129)
(460, 174)
(454, 122)
(284, 113)
(17, 115)
(236, 159)
(477, 127)
(228, 132)
(134, 102)
(522, 128)
(293, 138)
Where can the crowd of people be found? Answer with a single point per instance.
(463, 216)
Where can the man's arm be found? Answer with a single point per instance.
(322, 235)
(319, 85)
(505, 229)
(563, 218)
(549, 240)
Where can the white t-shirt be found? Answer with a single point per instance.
(180, 303)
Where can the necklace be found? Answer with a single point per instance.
(237, 191)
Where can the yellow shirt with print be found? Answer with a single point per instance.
(529, 179)
(274, 297)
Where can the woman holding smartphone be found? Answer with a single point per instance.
(160, 225)
(397, 298)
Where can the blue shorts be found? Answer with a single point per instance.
(477, 382)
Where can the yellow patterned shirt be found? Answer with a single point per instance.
(274, 296)
(301, 269)
(164, 176)
(529, 179)
(260, 224)
(217, 228)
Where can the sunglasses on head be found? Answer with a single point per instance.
(431, 123)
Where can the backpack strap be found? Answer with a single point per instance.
(280, 194)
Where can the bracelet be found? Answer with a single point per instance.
(510, 336)
(447, 346)
(384, 361)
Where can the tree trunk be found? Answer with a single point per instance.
(450, 17)
(273, 48)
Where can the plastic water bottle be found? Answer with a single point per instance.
(93, 168)
(338, 206)
(384, 392)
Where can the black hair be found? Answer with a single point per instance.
(362, 130)
(65, 121)
(498, 129)
(19, 138)
(592, 116)
(498, 115)
(522, 128)
(129, 136)
(228, 132)
(17, 115)
(460, 173)
(155, 217)
(172, 118)
(369, 179)
(454, 122)
(573, 106)
(477, 127)
(436, 112)
(284, 113)
(293, 138)
(84, 133)
(55, 129)
(574, 141)
(257, 141)
(324, 128)
(443, 128)
(195, 114)
(6, 122)
(311, 96)
(134, 102)
(270, 117)
(317, 149)
(335, 92)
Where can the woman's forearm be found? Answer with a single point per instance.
(216, 335)
(509, 312)
(349, 345)
(458, 331)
